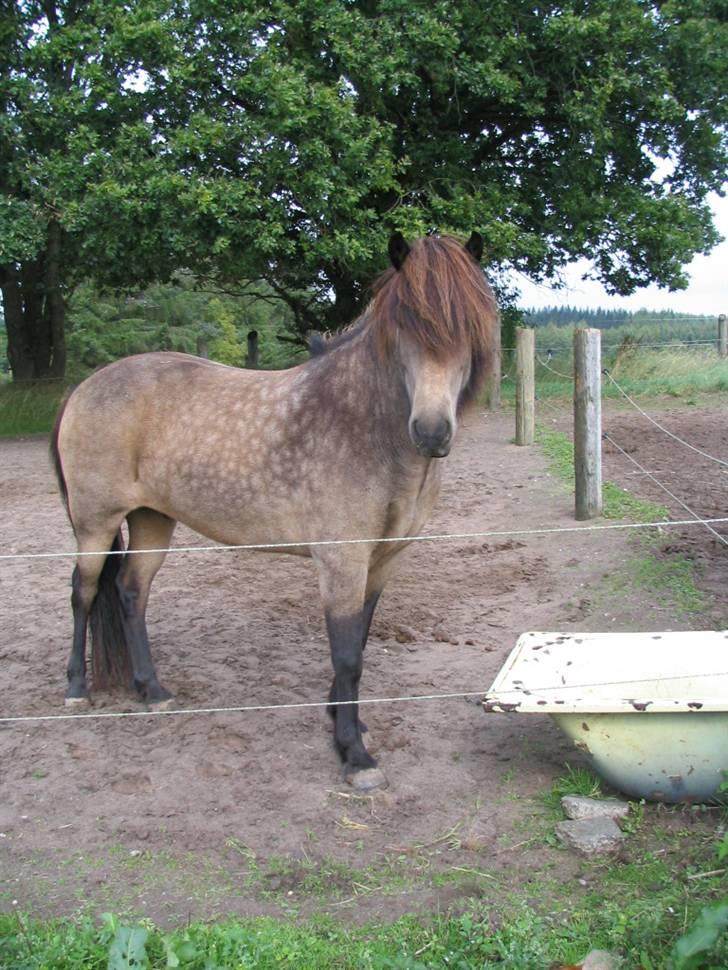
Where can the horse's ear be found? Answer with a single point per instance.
(474, 246)
(398, 249)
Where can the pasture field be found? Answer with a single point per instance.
(183, 820)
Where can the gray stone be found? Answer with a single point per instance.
(578, 806)
(600, 960)
(591, 836)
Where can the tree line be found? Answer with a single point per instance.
(602, 319)
(269, 149)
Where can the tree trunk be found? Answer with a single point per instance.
(55, 305)
(20, 354)
(35, 313)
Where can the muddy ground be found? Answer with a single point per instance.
(208, 814)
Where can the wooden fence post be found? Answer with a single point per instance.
(525, 385)
(587, 423)
(723, 335)
(252, 357)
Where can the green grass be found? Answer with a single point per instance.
(675, 373)
(640, 911)
(682, 374)
(674, 577)
(29, 408)
(638, 906)
(576, 781)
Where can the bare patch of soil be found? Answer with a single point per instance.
(208, 814)
(696, 482)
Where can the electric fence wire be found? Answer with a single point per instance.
(314, 543)
(543, 363)
(299, 705)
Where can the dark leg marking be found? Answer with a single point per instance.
(135, 630)
(347, 637)
(77, 689)
(367, 613)
(148, 530)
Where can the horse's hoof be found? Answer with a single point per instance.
(163, 704)
(367, 780)
(78, 703)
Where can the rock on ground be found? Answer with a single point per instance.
(591, 836)
(579, 806)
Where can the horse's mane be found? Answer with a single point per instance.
(442, 301)
(321, 343)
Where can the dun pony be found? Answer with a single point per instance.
(344, 446)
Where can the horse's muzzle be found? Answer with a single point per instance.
(433, 439)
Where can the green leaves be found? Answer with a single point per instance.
(127, 950)
(284, 141)
(689, 953)
(22, 230)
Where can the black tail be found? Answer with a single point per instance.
(110, 659)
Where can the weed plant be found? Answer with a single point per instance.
(576, 781)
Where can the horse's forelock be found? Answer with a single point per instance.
(442, 301)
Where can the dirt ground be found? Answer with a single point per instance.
(173, 816)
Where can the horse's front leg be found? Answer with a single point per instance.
(370, 604)
(346, 638)
(348, 617)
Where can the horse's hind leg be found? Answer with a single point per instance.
(84, 587)
(148, 530)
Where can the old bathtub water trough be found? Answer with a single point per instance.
(648, 710)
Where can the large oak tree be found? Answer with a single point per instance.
(281, 141)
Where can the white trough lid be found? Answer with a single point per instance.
(562, 673)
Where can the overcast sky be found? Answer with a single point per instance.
(707, 292)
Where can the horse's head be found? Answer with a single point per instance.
(434, 388)
(440, 318)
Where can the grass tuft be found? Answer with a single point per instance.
(576, 781)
